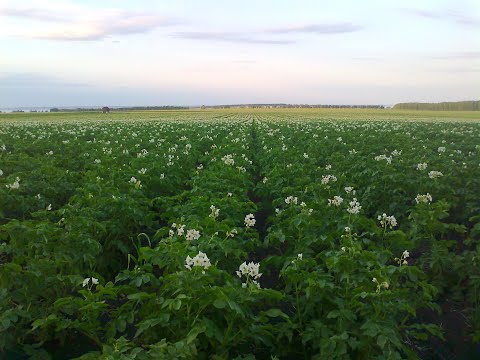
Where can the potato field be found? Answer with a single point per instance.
(239, 235)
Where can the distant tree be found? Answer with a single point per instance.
(105, 109)
(203, 107)
(444, 106)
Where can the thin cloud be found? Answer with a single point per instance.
(447, 15)
(84, 24)
(258, 37)
(35, 80)
(232, 37)
(123, 24)
(319, 29)
(31, 14)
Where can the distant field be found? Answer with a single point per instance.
(267, 234)
(365, 114)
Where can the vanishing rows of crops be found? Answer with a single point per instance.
(239, 236)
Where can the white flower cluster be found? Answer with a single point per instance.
(388, 159)
(403, 259)
(327, 178)
(232, 233)
(180, 229)
(291, 200)
(214, 212)
(142, 171)
(441, 149)
(389, 221)
(15, 185)
(200, 260)
(354, 207)
(305, 155)
(251, 271)
(336, 201)
(434, 174)
(192, 234)
(143, 153)
(1, 173)
(137, 183)
(250, 220)
(228, 159)
(350, 189)
(422, 166)
(426, 199)
(86, 281)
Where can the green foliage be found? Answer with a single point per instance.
(131, 239)
(448, 106)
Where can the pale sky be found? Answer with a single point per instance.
(190, 52)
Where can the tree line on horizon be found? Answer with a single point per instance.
(293, 106)
(443, 106)
(131, 108)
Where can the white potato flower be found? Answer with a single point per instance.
(199, 260)
(434, 174)
(422, 166)
(354, 207)
(336, 201)
(192, 234)
(251, 271)
(291, 200)
(250, 220)
(389, 221)
(426, 199)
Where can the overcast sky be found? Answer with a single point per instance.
(190, 52)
